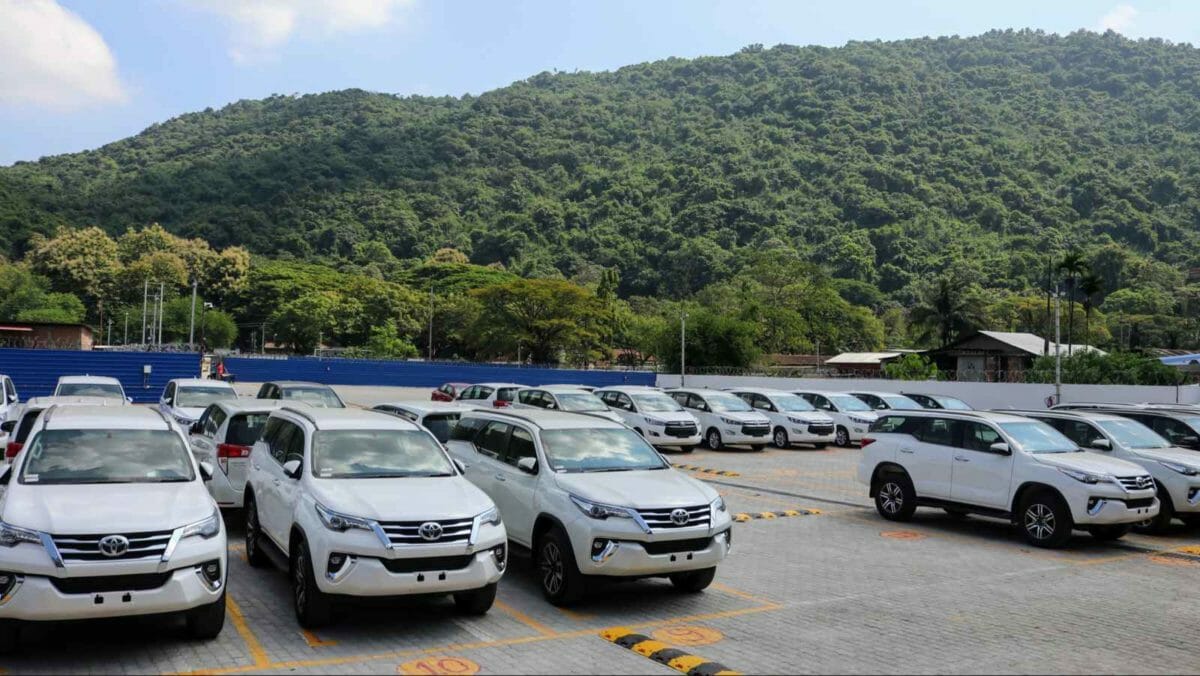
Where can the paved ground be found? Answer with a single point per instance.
(833, 590)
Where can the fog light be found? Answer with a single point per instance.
(728, 540)
(209, 572)
(500, 554)
(603, 549)
(338, 566)
(1194, 495)
(336, 561)
(1094, 505)
(9, 584)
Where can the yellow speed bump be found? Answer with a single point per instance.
(679, 660)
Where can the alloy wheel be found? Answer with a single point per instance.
(251, 530)
(891, 498)
(1039, 521)
(781, 439)
(552, 568)
(843, 437)
(714, 440)
(299, 583)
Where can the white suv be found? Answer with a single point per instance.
(724, 418)
(90, 386)
(591, 497)
(654, 415)
(1176, 471)
(564, 398)
(184, 399)
(104, 514)
(360, 503)
(852, 417)
(793, 419)
(1003, 465)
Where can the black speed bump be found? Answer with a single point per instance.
(707, 470)
(664, 654)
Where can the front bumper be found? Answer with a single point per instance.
(629, 558)
(1185, 496)
(1103, 510)
(735, 437)
(658, 438)
(800, 434)
(368, 576)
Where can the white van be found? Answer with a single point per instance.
(851, 415)
(793, 420)
(654, 415)
(724, 418)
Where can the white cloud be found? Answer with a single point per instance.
(261, 26)
(1118, 19)
(50, 57)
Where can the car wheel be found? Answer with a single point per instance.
(695, 581)
(713, 440)
(1161, 523)
(254, 554)
(686, 449)
(781, 438)
(842, 438)
(205, 623)
(10, 636)
(562, 583)
(820, 447)
(1045, 520)
(312, 605)
(476, 601)
(895, 497)
(1109, 533)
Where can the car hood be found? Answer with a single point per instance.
(744, 416)
(190, 412)
(1090, 462)
(643, 489)
(1171, 454)
(106, 508)
(402, 499)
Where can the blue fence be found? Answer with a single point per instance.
(418, 374)
(35, 372)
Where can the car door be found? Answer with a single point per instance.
(623, 404)
(203, 443)
(490, 443)
(299, 445)
(927, 455)
(167, 401)
(270, 507)
(979, 475)
(515, 489)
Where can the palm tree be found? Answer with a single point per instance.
(1073, 266)
(946, 309)
(1090, 285)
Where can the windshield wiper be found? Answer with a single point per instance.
(614, 469)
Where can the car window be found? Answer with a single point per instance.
(26, 425)
(520, 445)
(202, 421)
(295, 446)
(377, 454)
(889, 424)
(90, 390)
(935, 431)
(271, 431)
(493, 440)
(441, 424)
(197, 396)
(466, 429)
(681, 398)
(245, 428)
(524, 396)
(1172, 430)
(818, 402)
(281, 442)
(1079, 432)
(10, 390)
(215, 418)
(599, 450)
(977, 436)
(872, 401)
(507, 394)
(321, 397)
(169, 395)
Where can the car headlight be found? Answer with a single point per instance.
(798, 421)
(860, 421)
(597, 510)
(718, 505)
(731, 421)
(206, 529)
(1087, 477)
(489, 518)
(11, 536)
(654, 421)
(339, 522)
(1177, 467)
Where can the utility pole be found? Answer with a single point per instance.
(262, 344)
(192, 322)
(162, 289)
(429, 353)
(1057, 350)
(683, 349)
(108, 334)
(145, 295)
(125, 340)
(1049, 273)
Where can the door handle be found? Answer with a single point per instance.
(255, 466)
(962, 458)
(501, 477)
(906, 450)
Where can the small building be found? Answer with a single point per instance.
(997, 356)
(861, 363)
(46, 336)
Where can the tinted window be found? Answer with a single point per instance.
(282, 440)
(246, 428)
(872, 401)
(506, 393)
(1079, 432)
(106, 456)
(10, 390)
(935, 431)
(889, 424)
(493, 440)
(215, 418)
(977, 436)
(441, 424)
(466, 429)
(26, 425)
(520, 445)
(482, 392)
(524, 396)
(1172, 430)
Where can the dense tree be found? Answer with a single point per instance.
(947, 308)
(546, 319)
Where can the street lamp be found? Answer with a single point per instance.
(683, 315)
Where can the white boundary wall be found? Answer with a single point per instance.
(978, 395)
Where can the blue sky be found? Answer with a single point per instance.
(75, 74)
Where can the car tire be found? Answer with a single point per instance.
(686, 449)
(1109, 533)
(10, 636)
(1190, 520)
(757, 447)
(205, 623)
(695, 581)
(819, 447)
(562, 583)
(712, 439)
(895, 497)
(842, 437)
(475, 602)
(1161, 523)
(254, 553)
(780, 438)
(1045, 520)
(311, 604)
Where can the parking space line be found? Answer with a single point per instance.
(574, 614)
(679, 660)
(726, 589)
(315, 641)
(257, 653)
(524, 619)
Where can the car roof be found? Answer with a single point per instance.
(561, 388)
(759, 390)
(825, 392)
(88, 379)
(346, 418)
(631, 388)
(879, 393)
(697, 390)
(205, 382)
(105, 417)
(294, 383)
(499, 384)
(43, 402)
(992, 416)
(1086, 414)
(550, 420)
(424, 407)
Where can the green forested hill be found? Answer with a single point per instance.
(883, 162)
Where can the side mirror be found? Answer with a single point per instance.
(206, 471)
(168, 401)
(1102, 444)
(13, 398)
(1001, 448)
(8, 426)
(527, 465)
(551, 406)
(462, 466)
(5, 473)
(195, 428)
(292, 469)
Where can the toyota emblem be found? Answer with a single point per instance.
(679, 517)
(430, 531)
(114, 545)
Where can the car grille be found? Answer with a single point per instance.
(676, 546)
(87, 547)
(682, 430)
(427, 564)
(756, 430)
(409, 532)
(823, 428)
(658, 519)
(1136, 483)
(110, 583)
(1139, 503)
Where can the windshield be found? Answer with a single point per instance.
(724, 402)
(599, 450)
(245, 429)
(201, 397)
(106, 457)
(377, 454)
(111, 390)
(1133, 434)
(321, 397)
(1038, 437)
(952, 404)
(847, 402)
(1193, 421)
(900, 402)
(580, 401)
(655, 403)
(791, 403)
(440, 424)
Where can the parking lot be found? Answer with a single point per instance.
(817, 582)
